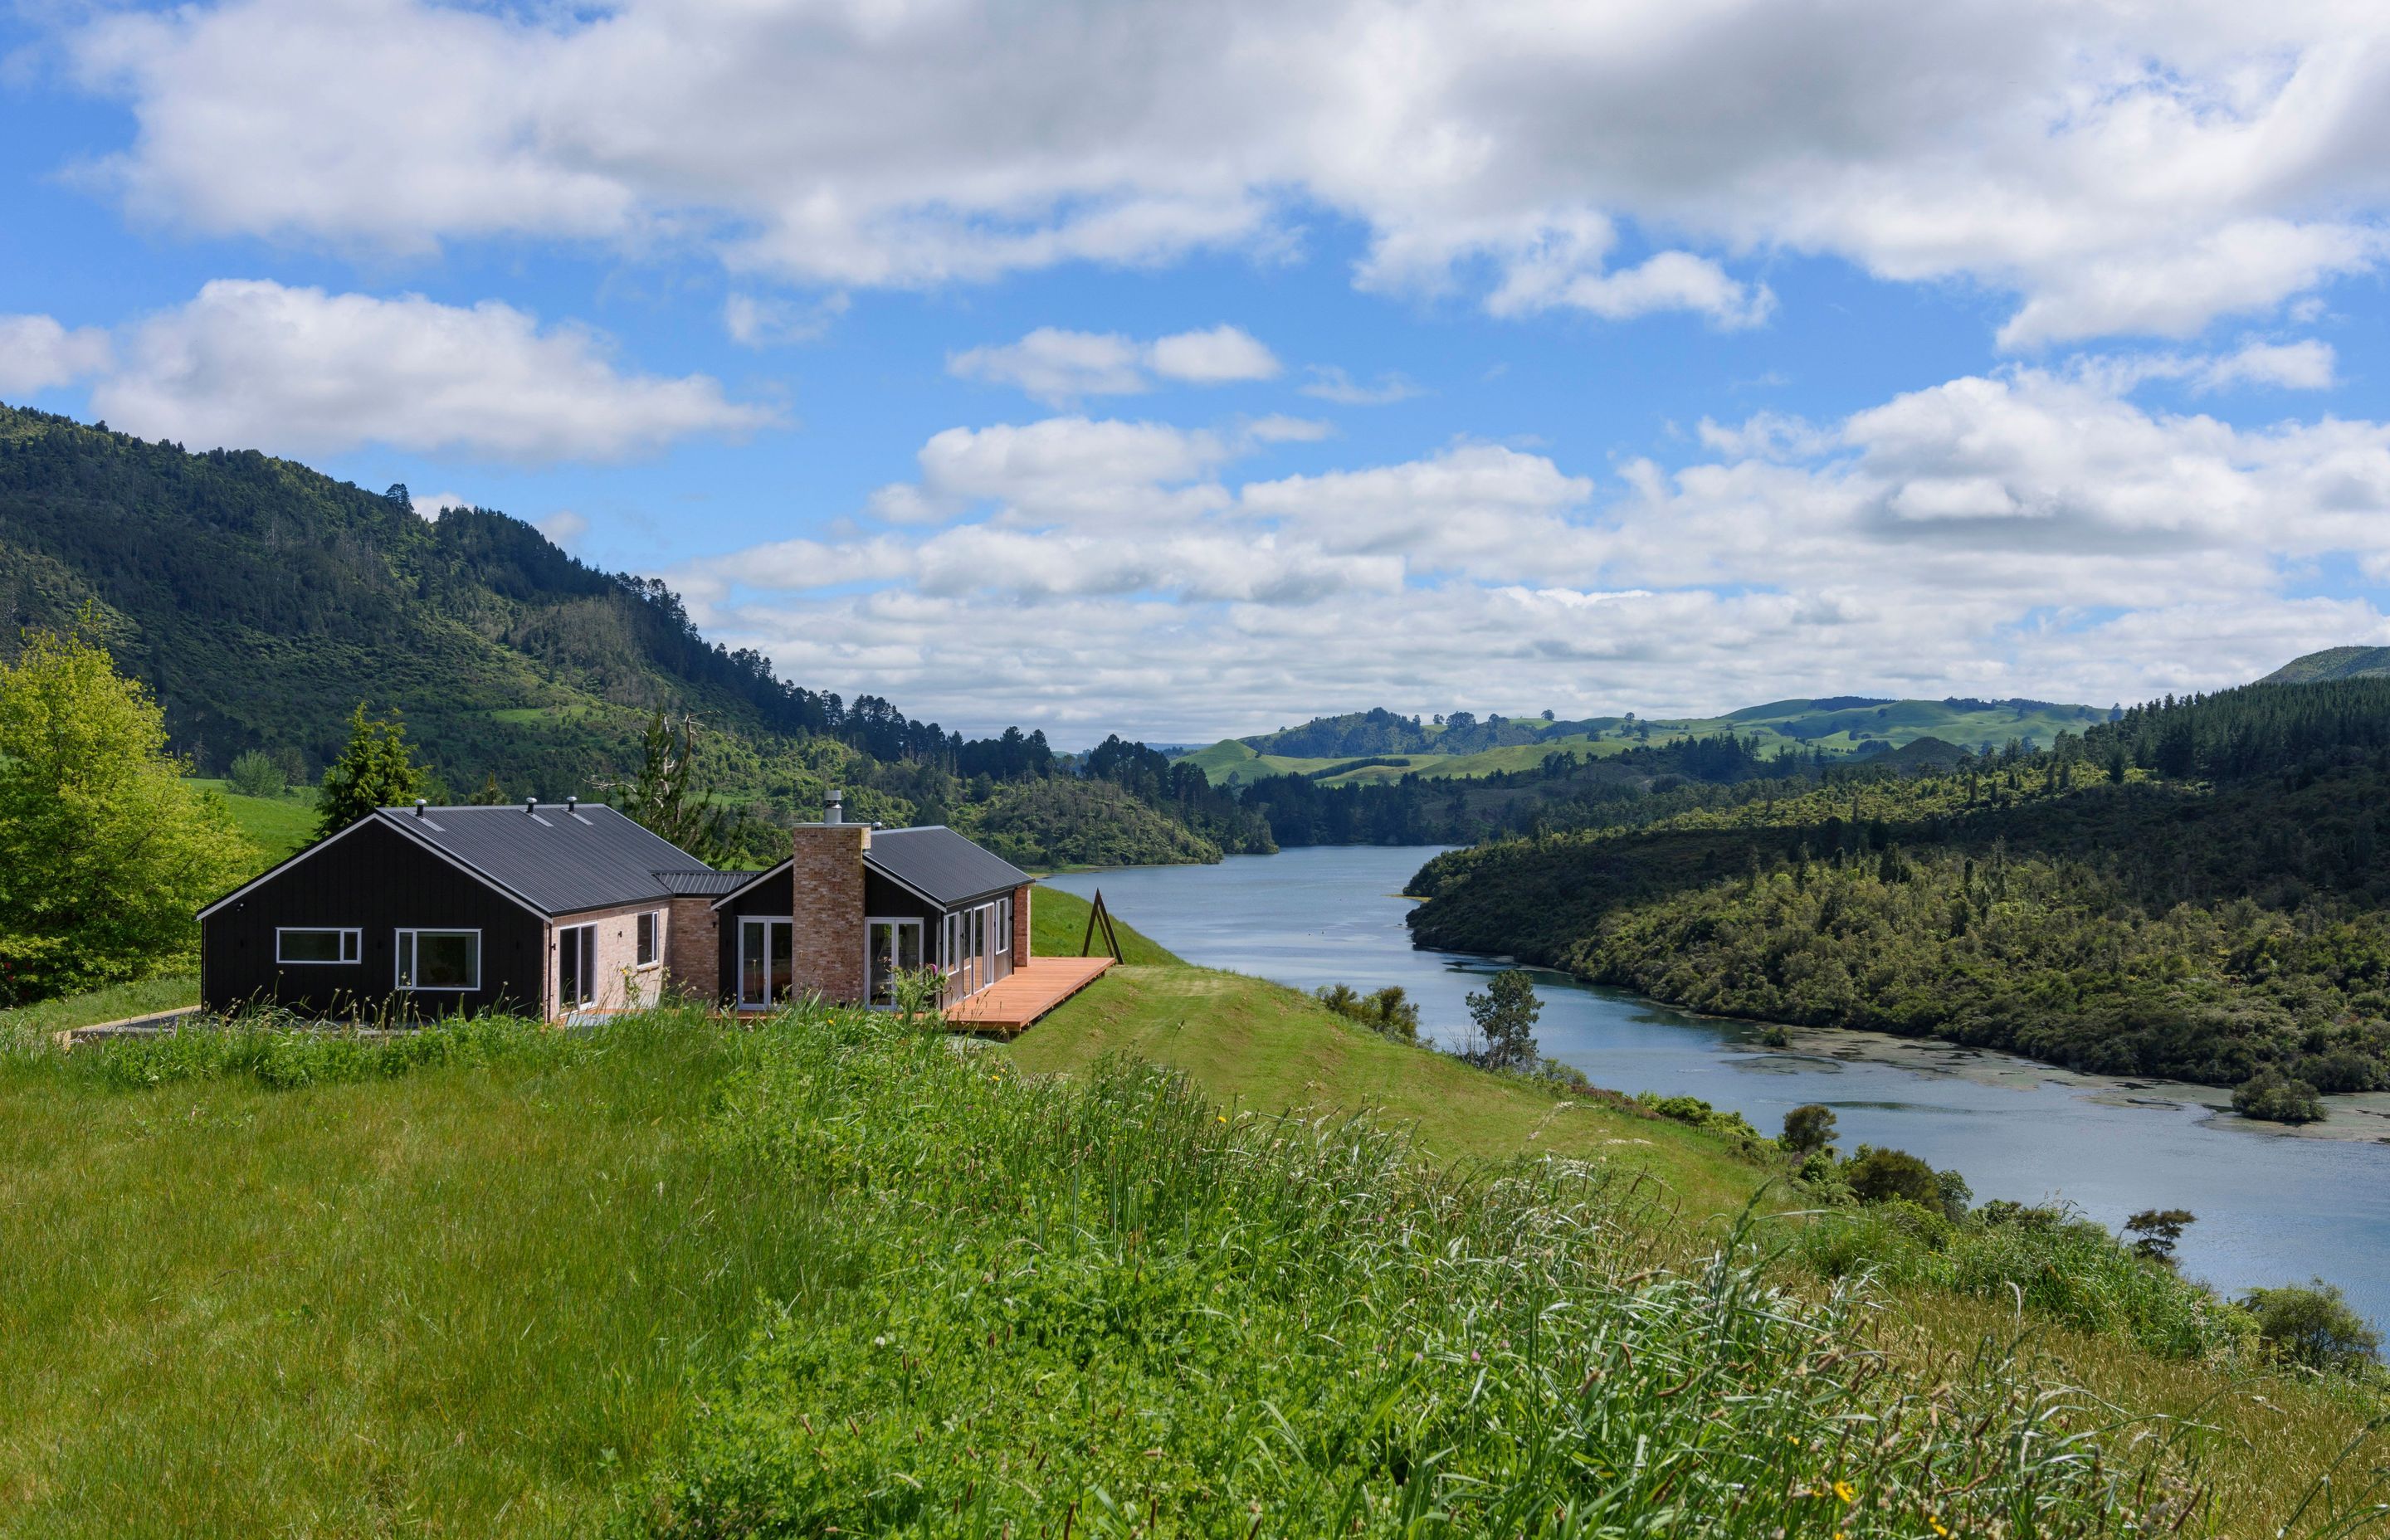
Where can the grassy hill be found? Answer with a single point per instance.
(674, 1279)
(1843, 727)
(2334, 662)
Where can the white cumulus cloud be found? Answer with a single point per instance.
(36, 353)
(1059, 367)
(299, 370)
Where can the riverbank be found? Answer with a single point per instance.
(2272, 1207)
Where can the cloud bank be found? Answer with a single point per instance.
(2116, 167)
(2015, 532)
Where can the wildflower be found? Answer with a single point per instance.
(1937, 1527)
(1846, 1491)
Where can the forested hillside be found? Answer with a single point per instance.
(261, 602)
(2193, 889)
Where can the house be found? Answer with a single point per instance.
(553, 911)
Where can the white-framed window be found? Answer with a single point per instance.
(890, 945)
(299, 943)
(651, 930)
(1003, 925)
(440, 959)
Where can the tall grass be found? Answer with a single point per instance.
(1101, 1306)
(466, 1299)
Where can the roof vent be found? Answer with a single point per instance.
(572, 805)
(419, 807)
(530, 806)
(836, 813)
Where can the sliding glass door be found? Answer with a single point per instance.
(766, 963)
(891, 946)
(576, 967)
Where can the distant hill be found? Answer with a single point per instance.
(1464, 746)
(262, 601)
(2334, 662)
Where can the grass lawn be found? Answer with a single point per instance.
(116, 1002)
(456, 1303)
(276, 826)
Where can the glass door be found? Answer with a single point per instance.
(576, 967)
(891, 946)
(766, 963)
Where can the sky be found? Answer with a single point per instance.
(1191, 368)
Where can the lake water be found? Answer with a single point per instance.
(2273, 1207)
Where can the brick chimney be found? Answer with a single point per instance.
(827, 880)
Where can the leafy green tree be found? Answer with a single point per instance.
(1505, 1016)
(490, 794)
(2272, 1096)
(376, 770)
(671, 799)
(105, 850)
(1808, 1129)
(2313, 1327)
(2156, 1231)
(1880, 1175)
(256, 774)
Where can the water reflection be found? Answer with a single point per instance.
(2272, 1208)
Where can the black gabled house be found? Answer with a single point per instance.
(433, 911)
(551, 911)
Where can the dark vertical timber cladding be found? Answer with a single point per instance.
(885, 900)
(376, 882)
(769, 898)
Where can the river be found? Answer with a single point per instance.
(2272, 1207)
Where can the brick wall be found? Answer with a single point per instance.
(622, 983)
(1021, 925)
(693, 950)
(827, 881)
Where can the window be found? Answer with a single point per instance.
(1003, 925)
(767, 962)
(440, 959)
(650, 926)
(890, 946)
(330, 946)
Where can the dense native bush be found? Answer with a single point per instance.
(2270, 1096)
(1101, 1305)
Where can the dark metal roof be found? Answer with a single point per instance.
(703, 883)
(940, 865)
(558, 862)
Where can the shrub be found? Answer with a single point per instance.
(2272, 1096)
(1808, 1129)
(255, 773)
(2312, 1327)
(1880, 1175)
(1389, 1011)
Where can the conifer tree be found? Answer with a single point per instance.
(376, 770)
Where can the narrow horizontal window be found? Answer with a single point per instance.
(440, 959)
(327, 945)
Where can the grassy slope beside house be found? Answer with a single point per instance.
(289, 1293)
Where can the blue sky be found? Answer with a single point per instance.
(1185, 370)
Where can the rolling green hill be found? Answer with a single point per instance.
(2334, 662)
(1463, 747)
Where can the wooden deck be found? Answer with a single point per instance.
(1029, 992)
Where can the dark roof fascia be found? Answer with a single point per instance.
(761, 878)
